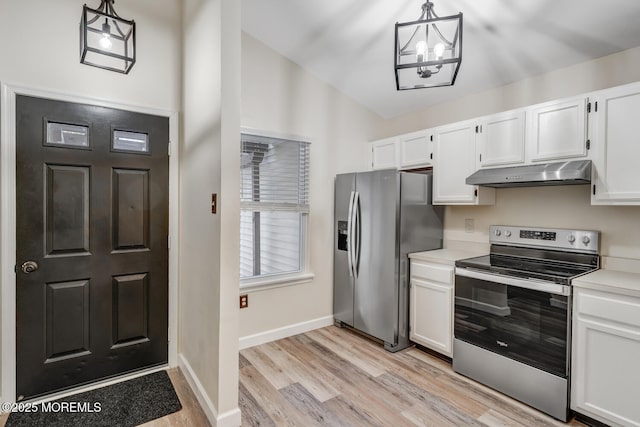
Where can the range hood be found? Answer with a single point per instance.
(563, 173)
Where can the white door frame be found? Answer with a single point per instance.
(8, 221)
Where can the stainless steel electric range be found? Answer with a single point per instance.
(512, 324)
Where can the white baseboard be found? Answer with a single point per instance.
(230, 418)
(226, 419)
(284, 332)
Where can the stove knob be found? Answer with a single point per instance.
(498, 233)
(507, 233)
(571, 238)
(586, 240)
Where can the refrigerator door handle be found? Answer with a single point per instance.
(356, 252)
(350, 233)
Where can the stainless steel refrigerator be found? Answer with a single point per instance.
(380, 217)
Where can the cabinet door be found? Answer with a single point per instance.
(616, 177)
(500, 139)
(606, 351)
(454, 157)
(416, 149)
(431, 315)
(607, 374)
(558, 130)
(384, 154)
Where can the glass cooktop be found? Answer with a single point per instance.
(528, 268)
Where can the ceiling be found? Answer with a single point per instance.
(350, 43)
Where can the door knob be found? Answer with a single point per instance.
(29, 267)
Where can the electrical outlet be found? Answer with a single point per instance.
(469, 225)
(244, 301)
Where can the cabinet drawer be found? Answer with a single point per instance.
(611, 307)
(433, 272)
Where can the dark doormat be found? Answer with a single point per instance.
(129, 403)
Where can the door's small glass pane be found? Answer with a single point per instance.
(130, 141)
(67, 135)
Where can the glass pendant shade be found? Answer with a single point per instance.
(428, 51)
(106, 40)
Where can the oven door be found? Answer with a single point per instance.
(525, 320)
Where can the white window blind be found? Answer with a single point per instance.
(274, 202)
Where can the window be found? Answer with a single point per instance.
(274, 203)
(67, 135)
(130, 142)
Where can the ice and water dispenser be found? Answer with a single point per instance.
(342, 235)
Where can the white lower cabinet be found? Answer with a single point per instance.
(606, 357)
(431, 308)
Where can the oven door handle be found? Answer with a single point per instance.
(535, 285)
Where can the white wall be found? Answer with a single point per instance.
(553, 207)
(39, 48)
(210, 163)
(613, 70)
(560, 207)
(278, 96)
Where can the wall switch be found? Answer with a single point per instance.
(469, 225)
(244, 301)
(214, 203)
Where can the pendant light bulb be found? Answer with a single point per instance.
(438, 49)
(105, 41)
(421, 51)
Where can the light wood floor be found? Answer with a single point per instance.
(191, 413)
(334, 377)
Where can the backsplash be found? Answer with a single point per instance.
(551, 207)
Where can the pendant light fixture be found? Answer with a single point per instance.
(106, 40)
(428, 51)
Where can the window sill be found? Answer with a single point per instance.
(263, 284)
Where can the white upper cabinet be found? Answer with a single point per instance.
(616, 146)
(558, 130)
(602, 126)
(384, 154)
(455, 160)
(500, 139)
(416, 149)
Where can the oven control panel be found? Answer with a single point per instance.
(538, 235)
(587, 241)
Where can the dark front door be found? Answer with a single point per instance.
(92, 225)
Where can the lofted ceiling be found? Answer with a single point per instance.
(350, 43)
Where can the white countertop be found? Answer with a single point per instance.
(447, 256)
(620, 282)
(619, 275)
